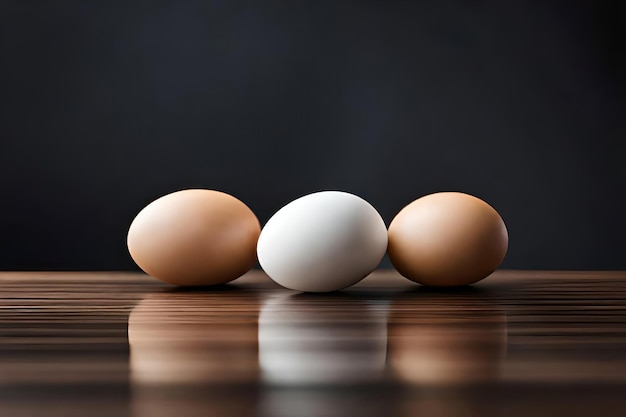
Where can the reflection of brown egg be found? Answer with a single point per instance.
(310, 339)
(193, 337)
(446, 337)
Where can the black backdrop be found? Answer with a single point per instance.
(106, 105)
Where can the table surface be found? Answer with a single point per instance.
(519, 343)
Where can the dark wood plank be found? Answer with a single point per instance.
(520, 343)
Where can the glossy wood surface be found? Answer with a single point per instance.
(520, 343)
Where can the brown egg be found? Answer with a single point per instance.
(195, 237)
(447, 239)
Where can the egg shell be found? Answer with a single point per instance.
(194, 237)
(447, 239)
(323, 241)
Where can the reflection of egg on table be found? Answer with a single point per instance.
(191, 337)
(305, 339)
(194, 352)
(195, 237)
(446, 338)
(447, 239)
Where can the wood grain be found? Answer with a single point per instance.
(520, 342)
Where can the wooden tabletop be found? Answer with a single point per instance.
(520, 343)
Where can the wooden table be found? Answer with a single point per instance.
(520, 343)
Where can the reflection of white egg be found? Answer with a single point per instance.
(316, 341)
(340, 401)
(324, 241)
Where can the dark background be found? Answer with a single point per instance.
(106, 105)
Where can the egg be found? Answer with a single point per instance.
(447, 239)
(324, 241)
(194, 237)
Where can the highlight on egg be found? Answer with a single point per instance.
(195, 237)
(325, 241)
(447, 239)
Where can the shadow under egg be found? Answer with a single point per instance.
(228, 287)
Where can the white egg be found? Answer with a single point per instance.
(323, 241)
